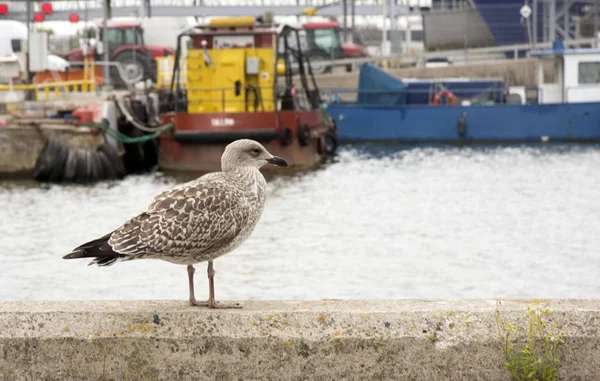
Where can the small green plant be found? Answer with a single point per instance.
(536, 360)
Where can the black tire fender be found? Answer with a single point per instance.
(331, 144)
(107, 168)
(70, 166)
(114, 158)
(58, 163)
(286, 137)
(97, 171)
(43, 164)
(321, 145)
(80, 166)
(303, 134)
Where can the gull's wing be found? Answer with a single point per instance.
(199, 217)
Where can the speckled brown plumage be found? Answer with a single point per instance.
(195, 222)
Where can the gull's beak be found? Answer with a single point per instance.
(276, 160)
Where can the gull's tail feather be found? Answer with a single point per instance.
(99, 249)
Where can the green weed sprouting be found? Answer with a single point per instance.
(536, 360)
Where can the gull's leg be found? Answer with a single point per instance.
(191, 270)
(211, 290)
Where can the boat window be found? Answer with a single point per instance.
(589, 72)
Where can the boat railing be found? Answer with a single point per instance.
(55, 87)
(438, 95)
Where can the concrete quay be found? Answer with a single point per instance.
(21, 145)
(282, 340)
(521, 72)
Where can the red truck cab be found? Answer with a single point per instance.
(332, 30)
(324, 43)
(126, 46)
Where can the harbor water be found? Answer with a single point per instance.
(378, 222)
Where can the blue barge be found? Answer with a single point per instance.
(386, 109)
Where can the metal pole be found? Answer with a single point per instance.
(384, 27)
(567, 19)
(106, 69)
(466, 35)
(552, 20)
(595, 36)
(345, 35)
(529, 31)
(545, 27)
(534, 18)
(353, 13)
(408, 36)
(29, 19)
(393, 15)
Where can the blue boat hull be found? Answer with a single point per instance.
(470, 124)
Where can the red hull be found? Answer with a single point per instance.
(198, 140)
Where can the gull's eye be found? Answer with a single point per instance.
(255, 150)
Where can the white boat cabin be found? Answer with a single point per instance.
(576, 74)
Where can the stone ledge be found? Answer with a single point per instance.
(279, 340)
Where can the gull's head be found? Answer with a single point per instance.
(248, 153)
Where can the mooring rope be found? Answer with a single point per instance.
(128, 139)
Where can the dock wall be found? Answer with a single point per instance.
(20, 145)
(514, 72)
(28, 130)
(314, 340)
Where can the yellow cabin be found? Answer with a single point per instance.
(231, 67)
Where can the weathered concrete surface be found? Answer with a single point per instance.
(319, 340)
(20, 145)
(21, 141)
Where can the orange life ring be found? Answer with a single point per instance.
(450, 98)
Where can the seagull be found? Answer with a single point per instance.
(194, 222)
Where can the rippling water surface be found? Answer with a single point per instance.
(378, 222)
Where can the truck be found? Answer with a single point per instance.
(126, 46)
(324, 43)
(13, 44)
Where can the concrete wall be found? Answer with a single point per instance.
(320, 340)
(515, 73)
(452, 29)
(21, 145)
(22, 140)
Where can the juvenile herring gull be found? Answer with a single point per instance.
(194, 222)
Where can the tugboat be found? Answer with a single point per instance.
(243, 78)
